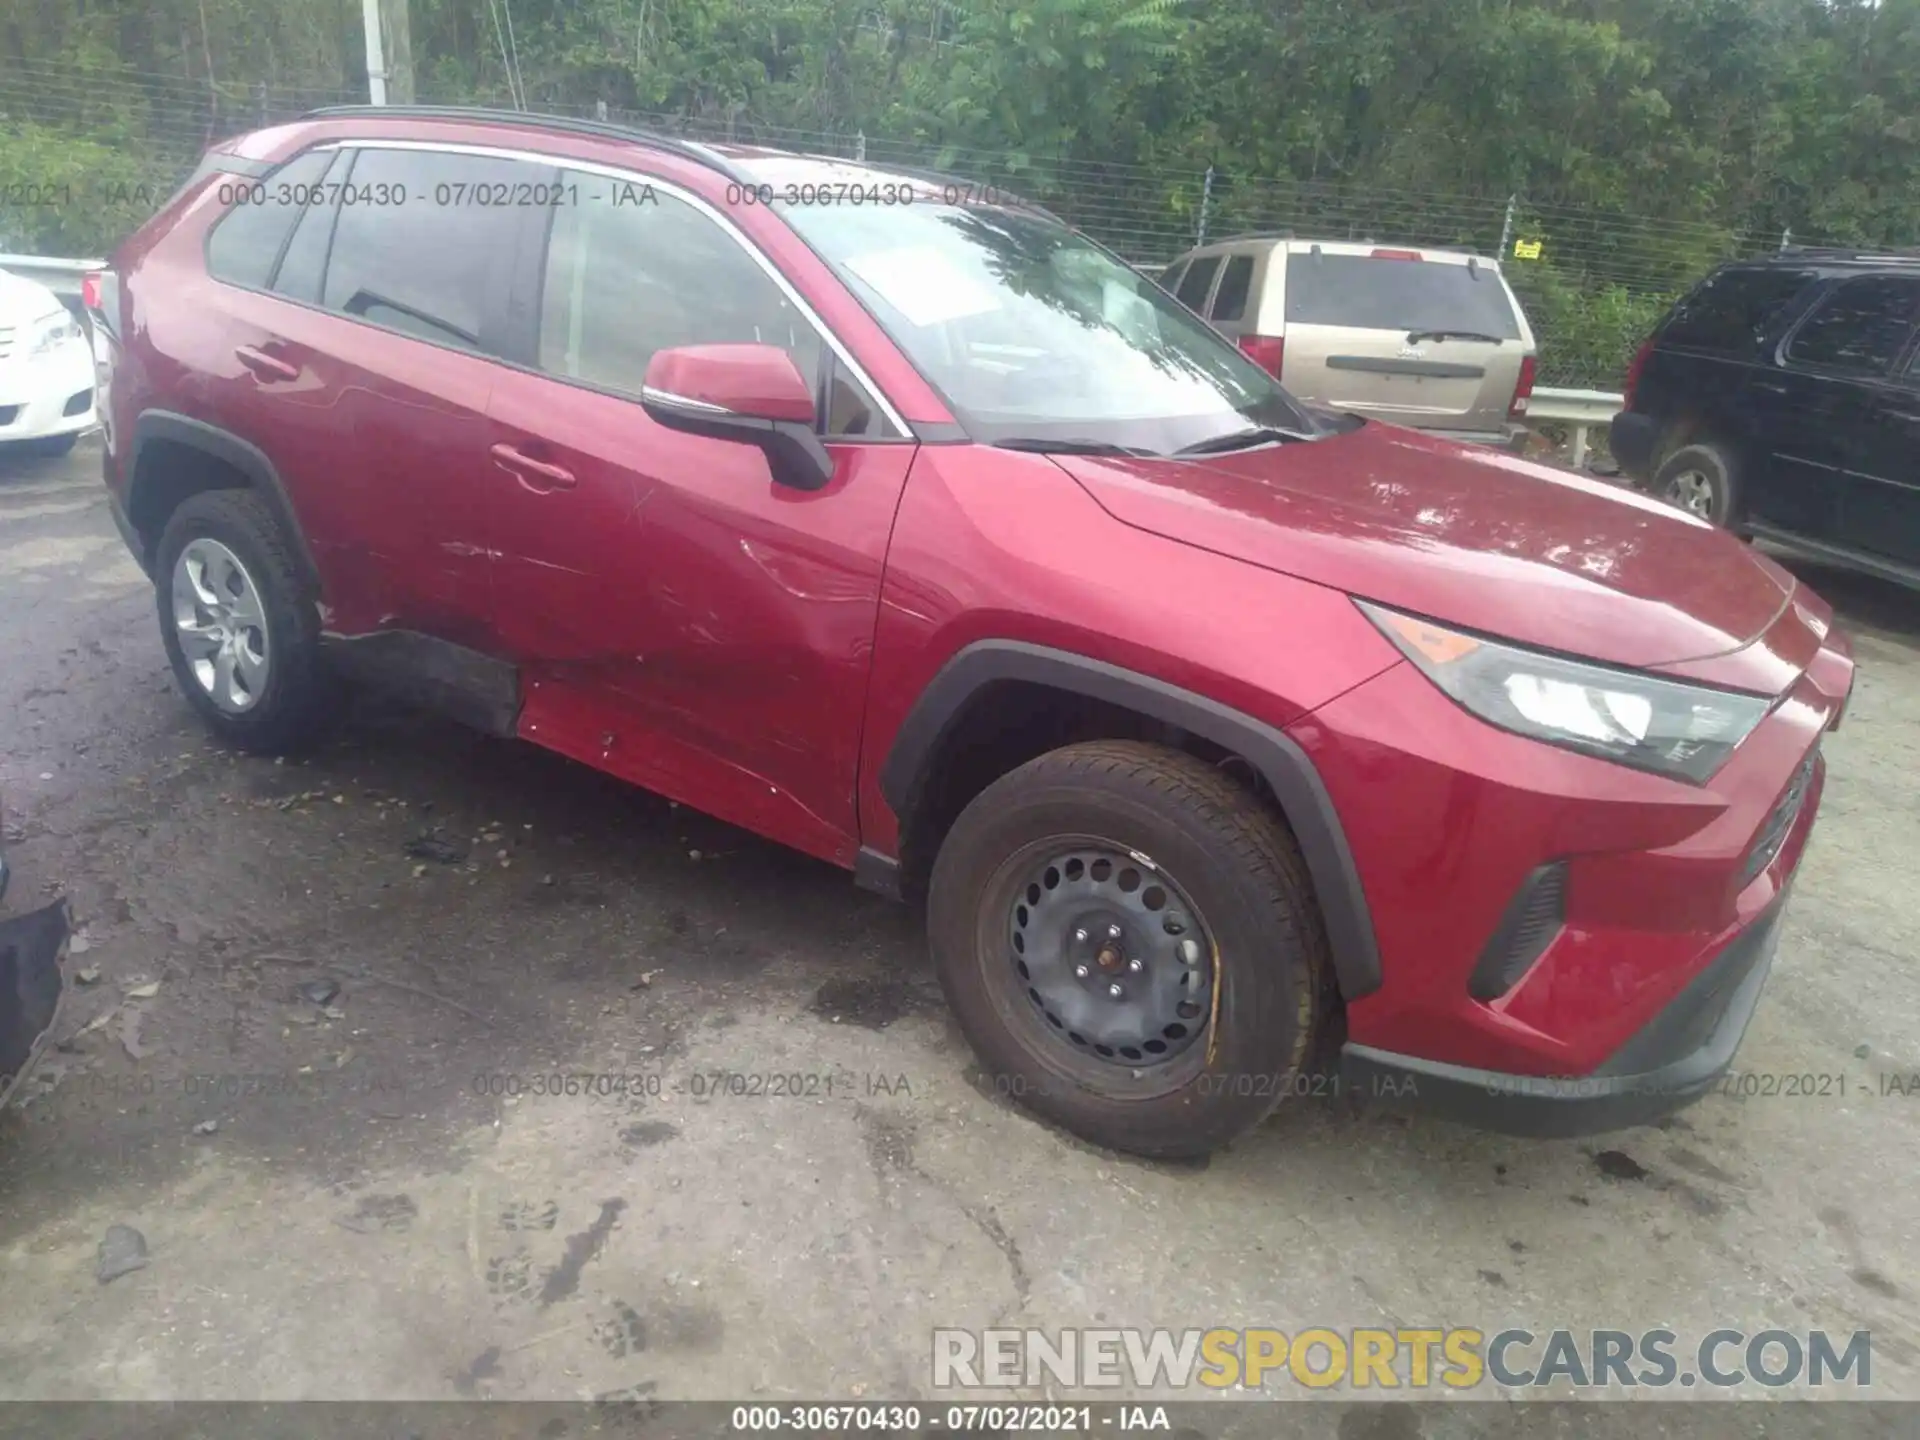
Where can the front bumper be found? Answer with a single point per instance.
(1675, 1058)
(48, 395)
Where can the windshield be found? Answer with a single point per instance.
(1033, 333)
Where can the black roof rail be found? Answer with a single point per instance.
(1862, 254)
(599, 129)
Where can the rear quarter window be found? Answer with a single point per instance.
(1230, 300)
(1733, 312)
(1197, 281)
(1365, 292)
(245, 245)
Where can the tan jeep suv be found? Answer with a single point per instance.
(1429, 338)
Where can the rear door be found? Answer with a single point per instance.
(366, 373)
(1424, 339)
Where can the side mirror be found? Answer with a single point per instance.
(750, 393)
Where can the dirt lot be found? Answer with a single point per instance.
(336, 1206)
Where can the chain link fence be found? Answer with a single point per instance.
(85, 157)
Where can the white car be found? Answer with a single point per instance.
(46, 370)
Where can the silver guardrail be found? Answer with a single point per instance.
(1579, 410)
(60, 276)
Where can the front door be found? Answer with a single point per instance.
(680, 618)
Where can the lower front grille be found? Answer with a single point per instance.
(1534, 917)
(78, 403)
(8, 413)
(1773, 834)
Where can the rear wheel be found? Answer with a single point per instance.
(241, 634)
(1699, 479)
(1129, 941)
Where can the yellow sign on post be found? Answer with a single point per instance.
(1526, 249)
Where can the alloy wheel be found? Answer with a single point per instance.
(220, 624)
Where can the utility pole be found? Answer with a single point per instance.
(389, 38)
(376, 60)
(399, 50)
(1206, 204)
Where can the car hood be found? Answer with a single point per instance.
(1471, 537)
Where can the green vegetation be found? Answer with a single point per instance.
(1645, 139)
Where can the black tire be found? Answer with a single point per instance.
(297, 697)
(1218, 849)
(1706, 471)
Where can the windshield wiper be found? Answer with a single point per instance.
(1414, 337)
(1241, 440)
(1043, 445)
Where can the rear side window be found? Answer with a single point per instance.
(1170, 277)
(1197, 281)
(1733, 312)
(245, 246)
(1230, 300)
(1860, 327)
(407, 255)
(1365, 292)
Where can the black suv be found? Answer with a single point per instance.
(1781, 399)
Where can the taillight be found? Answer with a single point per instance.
(1397, 255)
(1522, 390)
(1266, 351)
(100, 297)
(1634, 367)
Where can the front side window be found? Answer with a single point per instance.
(410, 254)
(630, 274)
(1030, 331)
(1860, 328)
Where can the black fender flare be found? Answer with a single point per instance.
(1296, 784)
(243, 455)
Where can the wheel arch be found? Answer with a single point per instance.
(162, 472)
(917, 750)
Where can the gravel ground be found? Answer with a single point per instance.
(335, 1206)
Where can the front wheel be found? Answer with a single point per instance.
(1130, 942)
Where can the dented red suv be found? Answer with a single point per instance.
(888, 517)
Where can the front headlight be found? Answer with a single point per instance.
(44, 334)
(1667, 726)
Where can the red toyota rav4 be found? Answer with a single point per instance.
(890, 518)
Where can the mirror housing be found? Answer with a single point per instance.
(753, 394)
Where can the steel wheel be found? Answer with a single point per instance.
(1113, 959)
(221, 625)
